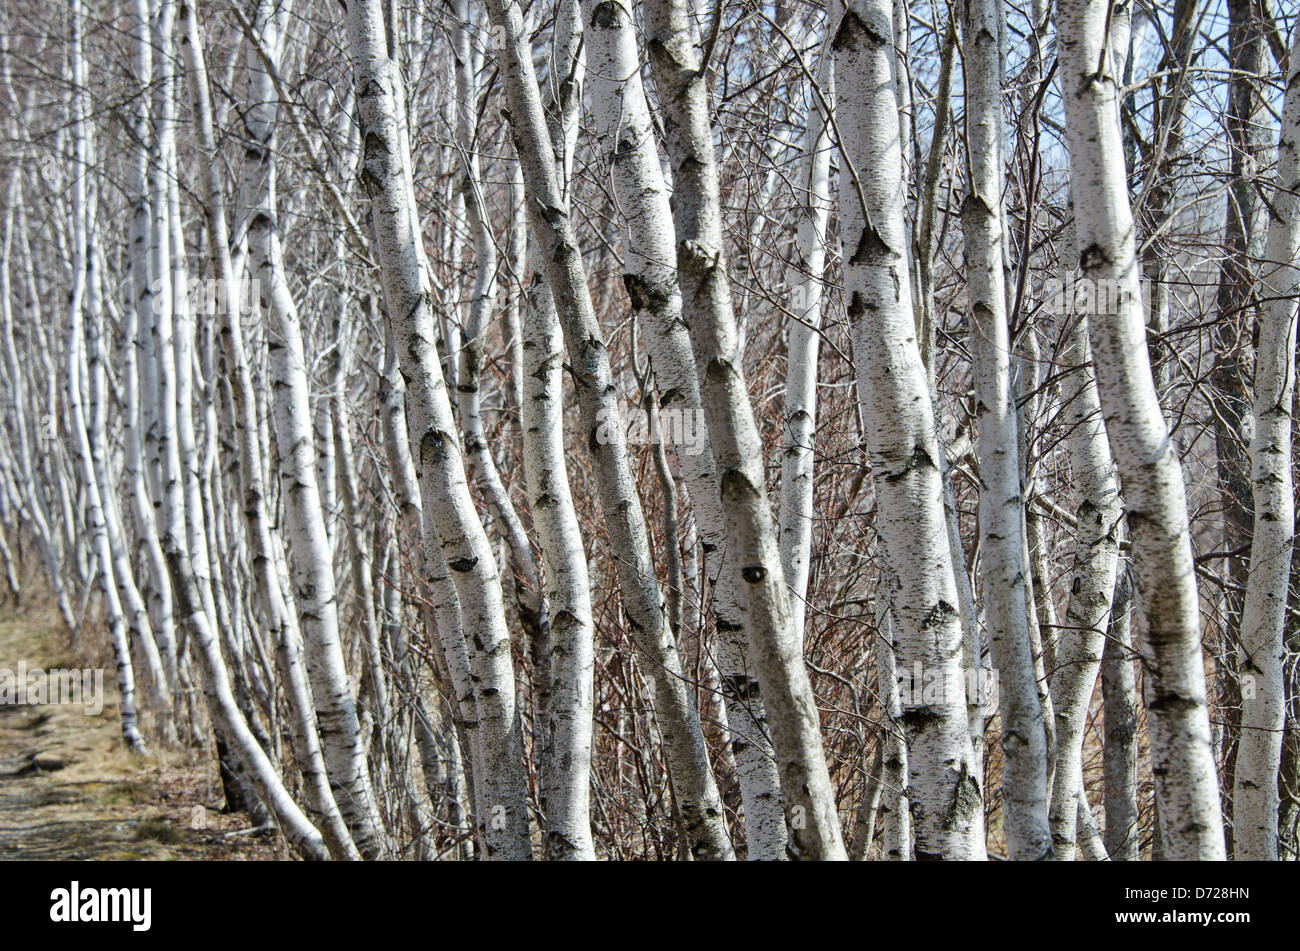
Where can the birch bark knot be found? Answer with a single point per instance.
(434, 447)
(607, 14)
(878, 33)
(920, 458)
(670, 50)
(698, 256)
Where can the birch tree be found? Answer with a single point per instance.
(1082, 643)
(623, 124)
(1191, 823)
(901, 441)
(1255, 798)
(803, 347)
(386, 176)
(82, 263)
(1006, 601)
(775, 645)
(694, 786)
(309, 554)
(728, 245)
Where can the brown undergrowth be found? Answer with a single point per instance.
(69, 789)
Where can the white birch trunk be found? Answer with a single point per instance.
(250, 760)
(902, 444)
(443, 621)
(278, 616)
(95, 517)
(448, 509)
(135, 327)
(482, 465)
(803, 346)
(1263, 643)
(694, 787)
(1170, 640)
(94, 373)
(309, 554)
(1001, 507)
(775, 646)
(1120, 713)
(624, 131)
(895, 816)
(566, 777)
(311, 566)
(1082, 641)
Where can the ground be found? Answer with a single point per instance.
(69, 789)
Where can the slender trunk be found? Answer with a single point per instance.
(566, 776)
(443, 621)
(1230, 334)
(802, 348)
(775, 645)
(1082, 641)
(1186, 786)
(902, 441)
(1263, 646)
(310, 562)
(894, 813)
(81, 263)
(695, 790)
(448, 508)
(1169, 103)
(623, 126)
(309, 555)
(482, 465)
(278, 616)
(1120, 712)
(1002, 540)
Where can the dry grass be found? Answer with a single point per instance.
(86, 796)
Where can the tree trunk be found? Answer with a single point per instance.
(1082, 641)
(1186, 786)
(693, 783)
(624, 132)
(1263, 622)
(448, 508)
(775, 645)
(902, 444)
(1002, 540)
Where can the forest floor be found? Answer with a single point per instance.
(69, 789)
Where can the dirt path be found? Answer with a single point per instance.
(70, 790)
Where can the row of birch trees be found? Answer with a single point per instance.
(609, 429)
